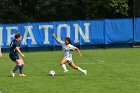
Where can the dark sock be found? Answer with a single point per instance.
(21, 69)
(16, 68)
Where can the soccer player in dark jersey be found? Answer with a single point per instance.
(13, 54)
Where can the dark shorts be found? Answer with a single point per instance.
(14, 58)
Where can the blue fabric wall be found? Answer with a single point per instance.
(137, 30)
(91, 32)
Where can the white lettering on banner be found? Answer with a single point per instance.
(28, 29)
(46, 29)
(59, 30)
(9, 35)
(80, 32)
(1, 43)
(79, 29)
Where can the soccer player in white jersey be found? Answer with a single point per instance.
(67, 55)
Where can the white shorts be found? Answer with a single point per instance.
(68, 58)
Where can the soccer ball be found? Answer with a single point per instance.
(51, 73)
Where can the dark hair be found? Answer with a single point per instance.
(67, 38)
(17, 35)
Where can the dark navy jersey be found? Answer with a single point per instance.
(13, 46)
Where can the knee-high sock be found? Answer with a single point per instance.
(80, 69)
(64, 67)
(21, 69)
(16, 68)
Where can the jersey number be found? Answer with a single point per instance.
(11, 44)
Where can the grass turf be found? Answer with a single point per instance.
(109, 71)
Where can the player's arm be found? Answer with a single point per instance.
(79, 52)
(76, 49)
(19, 51)
(56, 38)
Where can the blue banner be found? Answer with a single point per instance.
(92, 32)
(137, 30)
(119, 31)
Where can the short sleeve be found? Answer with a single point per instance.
(72, 47)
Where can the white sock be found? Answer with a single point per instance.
(80, 69)
(64, 67)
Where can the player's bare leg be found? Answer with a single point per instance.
(62, 63)
(78, 68)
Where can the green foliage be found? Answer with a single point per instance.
(16, 11)
(120, 7)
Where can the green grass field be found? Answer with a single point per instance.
(109, 71)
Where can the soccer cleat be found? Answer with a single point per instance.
(85, 72)
(12, 74)
(65, 71)
(22, 75)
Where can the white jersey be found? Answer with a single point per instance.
(66, 49)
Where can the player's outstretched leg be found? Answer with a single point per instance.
(62, 63)
(78, 68)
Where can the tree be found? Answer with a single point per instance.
(107, 9)
(17, 11)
